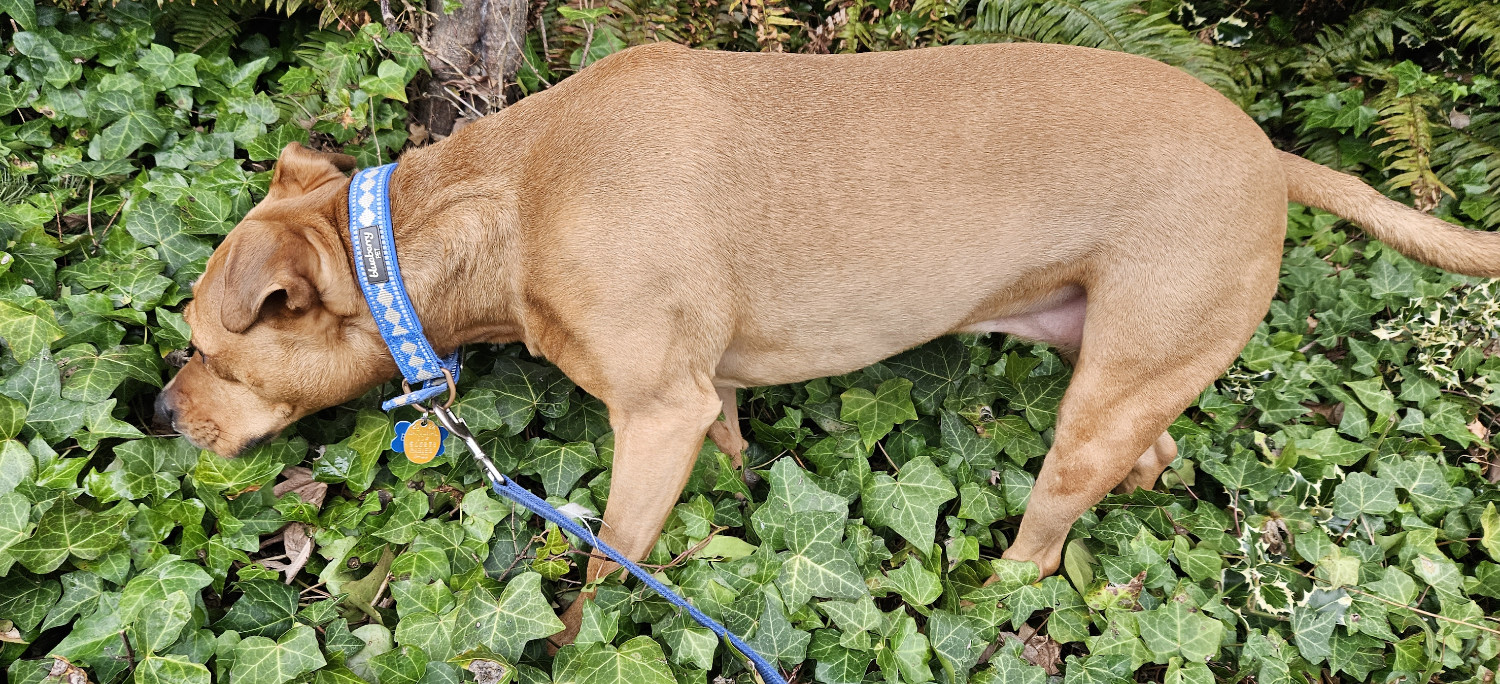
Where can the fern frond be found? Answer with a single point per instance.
(1368, 34)
(195, 25)
(1408, 144)
(1109, 24)
(1476, 143)
(1474, 23)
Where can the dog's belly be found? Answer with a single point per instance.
(1056, 318)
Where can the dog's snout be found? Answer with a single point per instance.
(166, 413)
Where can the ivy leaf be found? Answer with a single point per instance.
(1360, 493)
(917, 585)
(559, 465)
(637, 661)
(39, 385)
(908, 504)
(25, 600)
(259, 660)
(523, 390)
(15, 519)
(127, 134)
(69, 529)
(776, 638)
(816, 566)
(159, 225)
(792, 493)
(1038, 397)
(26, 333)
(94, 378)
(389, 81)
(170, 70)
(170, 669)
(147, 590)
(264, 608)
(875, 414)
(1328, 446)
(954, 640)
(1174, 629)
(504, 625)
(408, 509)
(1489, 522)
(934, 370)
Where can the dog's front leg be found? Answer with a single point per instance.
(656, 444)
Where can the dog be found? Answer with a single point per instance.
(669, 225)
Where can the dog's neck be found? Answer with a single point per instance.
(450, 251)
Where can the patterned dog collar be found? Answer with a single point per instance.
(379, 276)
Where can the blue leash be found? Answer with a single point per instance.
(379, 275)
(508, 488)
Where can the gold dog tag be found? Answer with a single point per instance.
(423, 440)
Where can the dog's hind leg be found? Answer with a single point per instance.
(656, 443)
(1153, 338)
(726, 433)
(1150, 465)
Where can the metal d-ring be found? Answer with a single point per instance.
(452, 393)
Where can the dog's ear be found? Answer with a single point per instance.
(287, 274)
(300, 170)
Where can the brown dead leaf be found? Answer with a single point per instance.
(64, 671)
(1273, 534)
(487, 671)
(1333, 413)
(1479, 430)
(1038, 649)
(9, 634)
(417, 134)
(300, 480)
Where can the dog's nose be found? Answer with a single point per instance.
(166, 415)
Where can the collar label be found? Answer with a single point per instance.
(372, 262)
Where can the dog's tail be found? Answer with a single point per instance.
(1427, 239)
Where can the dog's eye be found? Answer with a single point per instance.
(178, 358)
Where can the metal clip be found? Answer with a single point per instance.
(459, 429)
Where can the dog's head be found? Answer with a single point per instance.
(280, 328)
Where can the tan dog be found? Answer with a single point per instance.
(669, 225)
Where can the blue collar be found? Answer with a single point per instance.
(380, 278)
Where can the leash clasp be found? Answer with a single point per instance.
(458, 428)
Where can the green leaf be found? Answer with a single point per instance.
(127, 134)
(160, 225)
(25, 600)
(815, 565)
(875, 414)
(259, 660)
(26, 333)
(1175, 629)
(23, 11)
(908, 504)
(39, 386)
(917, 585)
(15, 519)
(559, 465)
(264, 608)
(504, 625)
(407, 509)
(637, 661)
(1361, 494)
(147, 590)
(775, 638)
(168, 69)
(388, 81)
(69, 529)
(170, 669)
